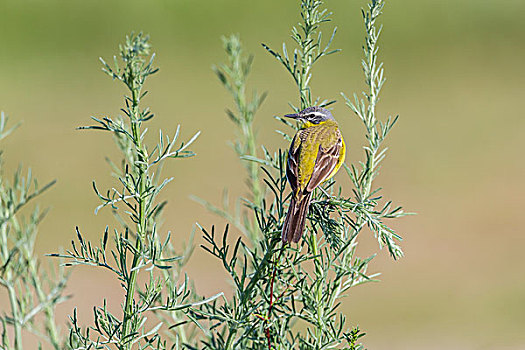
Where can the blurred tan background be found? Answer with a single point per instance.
(455, 76)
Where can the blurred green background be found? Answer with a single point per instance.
(455, 76)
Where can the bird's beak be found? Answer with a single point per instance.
(293, 116)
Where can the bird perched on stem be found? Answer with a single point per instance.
(316, 154)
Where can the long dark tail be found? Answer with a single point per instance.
(293, 227)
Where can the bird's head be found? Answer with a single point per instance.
(312, 116)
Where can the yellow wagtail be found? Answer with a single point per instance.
(316, 154)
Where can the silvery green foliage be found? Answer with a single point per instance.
(233, 75)
(366, 198)
(33, 292)
(287, 296)
(135, 247)
(310, 49)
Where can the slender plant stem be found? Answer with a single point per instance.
(231, 338)
(374, 88)
(272, 282)
(251, 151)
(370, 119)
(16, 319)
(37, 284)
(234, 75)
(253, 166)
(12, 293)
(48, 309)
(142, 223)
(318, 286)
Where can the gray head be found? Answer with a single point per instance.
(314, 115)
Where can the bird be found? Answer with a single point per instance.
(316, 153)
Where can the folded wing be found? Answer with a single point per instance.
(325, 164)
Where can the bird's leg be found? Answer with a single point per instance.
(330, 200)
(325, 193)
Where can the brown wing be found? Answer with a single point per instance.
(292, 166)
(324, 164)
